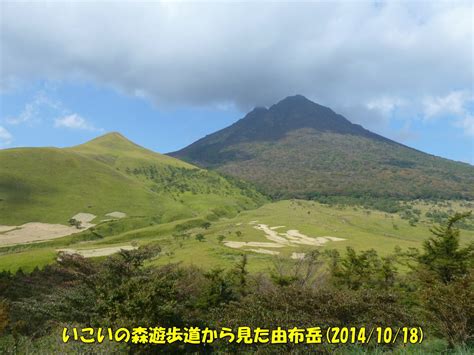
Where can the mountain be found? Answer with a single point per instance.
(107, 174)
(297, 148)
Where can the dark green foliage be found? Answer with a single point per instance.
(74, 222)
(449, 307)
(390, 205)
(194, 223)
(4, 317)
(178, 180)
(444, 272)
(363, 270)
(437, 216)
(200, 237)
(443, 254)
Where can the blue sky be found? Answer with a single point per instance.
(166, 74)
(103, 110)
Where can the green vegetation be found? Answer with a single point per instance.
(360, 228)
(204, 249)
(298, 149)
(110, 174)
(357, 289)
(307, 164)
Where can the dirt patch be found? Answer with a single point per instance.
(84, 218)
(36, 232)
(298, 238)
(291, 238)
(272, 235)
(116, 214)
(33, 232)
(334, 239)
(238, 245)
(298, 256)
(92, 253)
(6, 228)
(276, 227)
(264, 251)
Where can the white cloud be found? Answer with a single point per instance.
(5, 137)
(385, 104)
(74, 121)
(35, 109)
(467, 124)
(455, 106)
(44, 107)
(361, 58)
(453, 103)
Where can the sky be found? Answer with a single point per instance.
(165, 74)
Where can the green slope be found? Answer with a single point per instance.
(306, 163)
(297, 148)
(109, 174)
(117, 151)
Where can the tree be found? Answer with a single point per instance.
(199, 237)
(74, 222)
(239, 275)
(445, 272)
(449, 307)
(442, 253)
(217, 290)
(365, 269)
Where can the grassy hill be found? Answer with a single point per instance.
(108, 174)
(297, 148)
(117, 151)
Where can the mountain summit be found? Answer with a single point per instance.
(292, 113)
(113, 142)
(298, 148)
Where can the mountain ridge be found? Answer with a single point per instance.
(280, 147)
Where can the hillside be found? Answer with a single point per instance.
(108, 174)
(297, 148)
(117, 151)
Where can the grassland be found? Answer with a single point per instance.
(360, 228)
(109, 174)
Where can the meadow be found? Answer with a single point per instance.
(202, 240)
